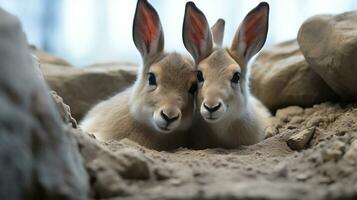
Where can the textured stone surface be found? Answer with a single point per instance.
(351, 153)
(281, 77)
(289, 111)
(64, 110)
(39, 156)
(81, 88)
(329, 44)
(300, 140)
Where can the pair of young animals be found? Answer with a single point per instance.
(159, 110)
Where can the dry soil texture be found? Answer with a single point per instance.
(325, 169)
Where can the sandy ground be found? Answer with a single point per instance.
(326, 169)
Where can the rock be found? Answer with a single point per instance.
(351, 154)
(134, 164)
(303, 176)
(315, 121)
(300, 140)
(64, 110)
(329, 44)
(296, 120)
(106, 181)
(46, 58)
(81, 88)
(281, 77)
(270, 131)
(289, 112)
(281, 170)
(334, 151)
(109, 170)
(162, 173)
(40, 159)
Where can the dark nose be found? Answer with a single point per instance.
(168, 119)
(212, 109)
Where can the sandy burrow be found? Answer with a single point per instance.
(326, 169)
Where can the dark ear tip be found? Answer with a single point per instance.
(191, 5)
(142, 2)
(145, 4)
(263, 5)
(221, 21)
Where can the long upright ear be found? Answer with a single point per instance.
(147, 31)
(218, 32)
(252, 33)
(196, 33)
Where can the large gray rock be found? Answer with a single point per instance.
(281, 77)
(329, 44)
(81, 88)
(39, 156)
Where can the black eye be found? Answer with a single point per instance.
(200, 76)
(193, 88)
(236, 77)
(151, 78)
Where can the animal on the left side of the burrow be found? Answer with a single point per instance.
(157, 110)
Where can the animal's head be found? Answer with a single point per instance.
(222, 73)
(164, 91)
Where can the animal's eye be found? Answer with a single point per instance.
(200, 76)
(152, 79)
(193, 88)
(236, 77)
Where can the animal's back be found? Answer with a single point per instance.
(111, 118)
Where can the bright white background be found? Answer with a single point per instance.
(91, 31)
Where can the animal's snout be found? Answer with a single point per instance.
(213, 108)
(169, 117)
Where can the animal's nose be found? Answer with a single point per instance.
(212, 109)
(169, 118)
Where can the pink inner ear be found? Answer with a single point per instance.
(253, 29)
(197, 32)
(147, 26)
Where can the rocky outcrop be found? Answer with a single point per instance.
(64, 110)
(39, 156)
(81, 88)
(329, 44)
(281, 77)
(46, 58)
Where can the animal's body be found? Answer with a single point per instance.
(157, 110)
(229, 115)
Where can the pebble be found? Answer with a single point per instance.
(351, 154)
(334, 151)
(300, 140)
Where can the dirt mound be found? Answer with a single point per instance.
(268, 170)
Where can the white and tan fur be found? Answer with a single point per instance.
(137, 113)
(235, 117)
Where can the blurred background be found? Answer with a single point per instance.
(93, 31)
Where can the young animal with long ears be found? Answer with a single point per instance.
(157, 110)
(230, 114)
